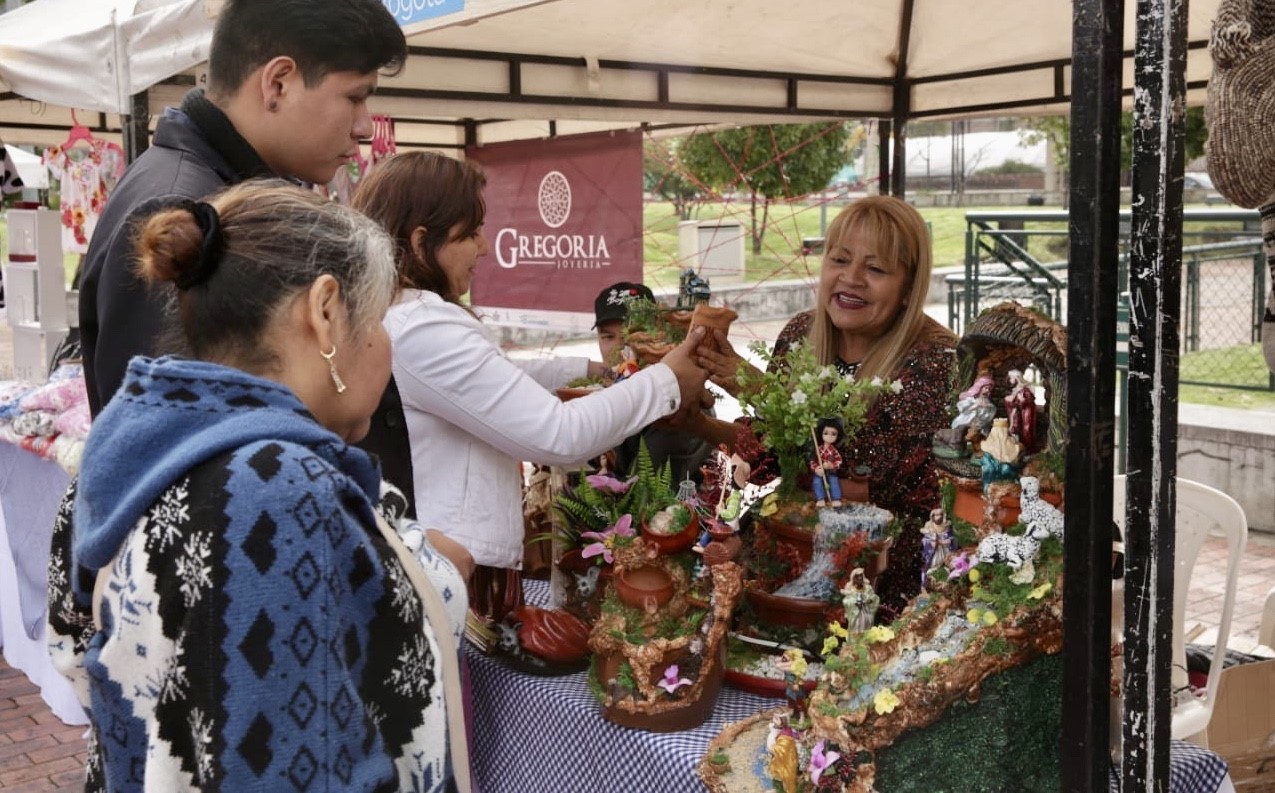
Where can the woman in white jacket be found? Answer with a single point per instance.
(473, 414)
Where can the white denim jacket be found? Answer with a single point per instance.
(473, 415)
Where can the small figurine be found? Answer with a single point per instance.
(1020, 404)
(692, 289)
(975, 407)
(1000, 444)
(783, 764)
(627, 367)
(861, 602)
(938, 541)
(793, 664)
(826, 461)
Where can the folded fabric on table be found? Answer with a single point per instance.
(11, 393)
(75, 421)
(35, 423)
(56, 396)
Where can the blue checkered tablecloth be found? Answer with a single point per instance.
(1192, 769)
(546, 734)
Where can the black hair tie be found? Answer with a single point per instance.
(210, 250)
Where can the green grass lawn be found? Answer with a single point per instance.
(787, 225)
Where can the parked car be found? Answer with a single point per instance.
(1201, 181)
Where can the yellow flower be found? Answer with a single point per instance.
(1040, 591)
(838, 630)
(974, 574)
(878, 634)
(989, 617)
(885, 702)
(769, 505)
(829, 644)
(974, 615)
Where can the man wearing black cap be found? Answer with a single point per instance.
(683, 451)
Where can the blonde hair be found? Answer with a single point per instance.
(899, 235)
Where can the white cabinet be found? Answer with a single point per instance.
(35, 290)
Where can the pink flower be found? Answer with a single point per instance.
(605, 541)
(821, 761)
(960, 565)
(608, 483)
(670, 681)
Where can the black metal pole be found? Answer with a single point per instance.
(1155, 284)
(902, 101)
(1094, 229)
(136, 127)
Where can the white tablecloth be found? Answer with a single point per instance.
(30, 490)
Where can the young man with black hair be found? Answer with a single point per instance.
(288, 83)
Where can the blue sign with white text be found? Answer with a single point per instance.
(407, 12)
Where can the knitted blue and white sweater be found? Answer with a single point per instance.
(257, 631)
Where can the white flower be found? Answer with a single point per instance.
(799, 397)
(877, 381)
(897, 386)
(827, 373)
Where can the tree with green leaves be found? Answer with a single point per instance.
(771, 162)
(1057, 129)
(663, 175)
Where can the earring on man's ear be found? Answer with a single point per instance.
(336, 377)
(272, 106)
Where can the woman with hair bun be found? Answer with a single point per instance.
(224, 593)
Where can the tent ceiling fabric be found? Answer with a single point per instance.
(94, 54)
(509, 69)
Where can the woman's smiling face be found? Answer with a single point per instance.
(863, 293)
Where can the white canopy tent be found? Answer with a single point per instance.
(510, 69)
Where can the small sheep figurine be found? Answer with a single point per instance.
(1037, 513)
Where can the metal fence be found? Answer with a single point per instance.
(1021, 256)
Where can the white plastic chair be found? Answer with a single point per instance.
(1201, 511)
(1266, 633)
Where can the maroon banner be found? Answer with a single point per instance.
(564, 221)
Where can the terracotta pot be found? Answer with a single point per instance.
(673, 543)
(793, 612)
(855, 488)
(800, 537)
(1010, 507)
(647, 587)
(685, 716)
(969, 505)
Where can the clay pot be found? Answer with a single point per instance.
(673, 543)
(971, 506)
(855, 488)
(800, 537)
(647, 587)
(1008, 509)
(779, 610)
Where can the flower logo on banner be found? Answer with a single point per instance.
(554, 199)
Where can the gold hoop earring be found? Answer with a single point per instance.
(336, 377)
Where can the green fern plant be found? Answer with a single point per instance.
(651, 490)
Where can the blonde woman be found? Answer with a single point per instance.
(869, 321)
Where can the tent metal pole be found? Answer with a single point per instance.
(902, 102)
(1155, 285)
(136, 126)
(1094, 234)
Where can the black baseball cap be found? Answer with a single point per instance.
(613, 302)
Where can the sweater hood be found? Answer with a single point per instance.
(169, 416)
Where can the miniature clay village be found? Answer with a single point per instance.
(762, 577)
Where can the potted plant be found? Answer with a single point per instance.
(787, 401)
